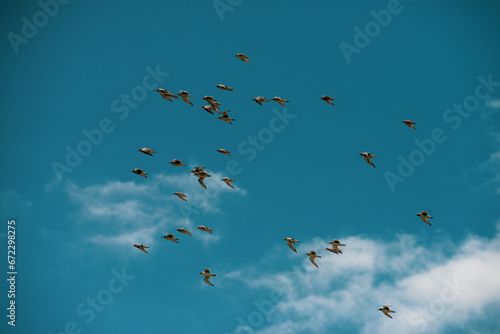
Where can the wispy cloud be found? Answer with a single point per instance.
(11, 202)
(430, 288)
(138, 211)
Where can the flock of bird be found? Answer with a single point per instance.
(213, 105)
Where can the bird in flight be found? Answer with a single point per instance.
(206, 272)
(181, 196)
(260, 99)
(290, 242)
(228, 181)
(224, 87)
(223, 151)
(166, 94)
(242, 56)
(312, 257)
(210, 108)
(409, 123)
(170, 236)
(335, 246)
(225, 117)
(185, 95)
(328, 99)
(140, 172)
(147, 151)
(424, 216)
(279, 100)
(368, 157)
(141, 247)
(386, 310)
(206, 229)
(183, 230)
(176, 162)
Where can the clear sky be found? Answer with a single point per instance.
(79, 100)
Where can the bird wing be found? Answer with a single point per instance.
(313, 261)
(200, 180)
(207, 280)
(291, 246)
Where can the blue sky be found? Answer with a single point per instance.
(297, 169)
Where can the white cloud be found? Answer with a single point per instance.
(138, 211)
(429, 288)
(11, 203)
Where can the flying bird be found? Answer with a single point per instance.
(424, 216)
(334, 250)
(147, 151)
(386, 310)
(206, 272)
(335, 246)
(260, 99)
(290, 242)
(176, 162)
(228, 181)
(368, 157)
(140, 172)
(328, 99)
(170, 236)
(199, 171)
(279, 100)
(185, 95)
(141, 247)
(210, 108)
(409, 123)
(223, 151)
(183, 230)
(224, 87)
(225, 117)
(243, 57)
(209, 99)
(166, 94)
(206, 229)
(181, 196)
(312, 256)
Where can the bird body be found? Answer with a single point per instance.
(409, 123)
(147, 151)
(368, 157)
(141, 247)
(206, 229)
(185, 96)
(166, 94)
(242, 56)
(170, 236)
(312, 257)
(290, 242)
(328, 99)
(224, 87)
(206, 272)
(228, 181)
(386, 310)
(280, 100)
(140, 172)
(424, 216)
